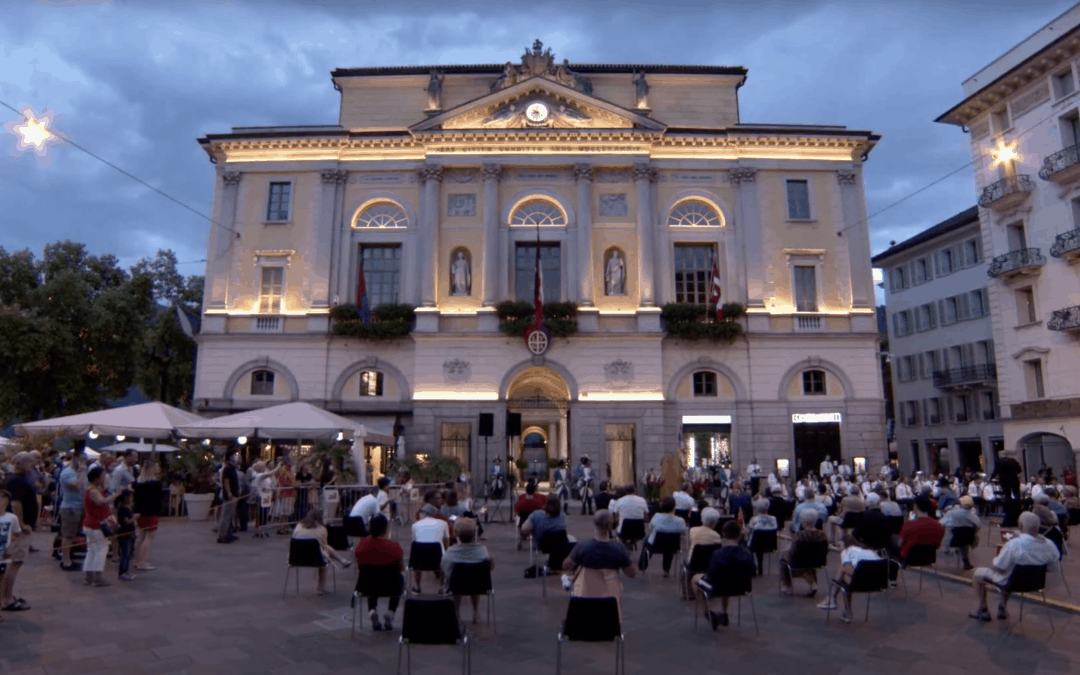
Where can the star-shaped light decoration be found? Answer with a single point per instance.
(1004, 153)
(32, 132)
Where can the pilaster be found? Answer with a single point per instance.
(585, 262)
(219, 258)
(750, 222)
(857, 233)
(431, 175)
(493, 262)
(321, 238)
(644, 176)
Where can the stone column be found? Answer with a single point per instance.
(219, 258)
(431, 175)
(586, 265)
(750, 222)
(644, 175)
(321, 239)
(493, 259)
(853, 208)
(564, 452)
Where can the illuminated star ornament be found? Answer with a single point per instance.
(32, 132)
(1004, 153)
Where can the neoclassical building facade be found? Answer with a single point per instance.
(441, 184)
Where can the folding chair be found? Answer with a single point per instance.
(337, 538)
(923, 555)
(592, 620)
(869, 577)
(355, 527)
(763, 541)
(1056, 535)
(556, 546)
(375, 581)
(962, 537)
(631, 531)
(469, 579)
(810, 559)
(698, 563)
(305, 553)
(734, 583)
(424, 558)
(432, 622)
(695, 518)
(1027, 579)
(667, 542)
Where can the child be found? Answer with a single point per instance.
(9, 528)
(125, 532)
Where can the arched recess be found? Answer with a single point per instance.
(819, 364)
(377, 196)
(533, 429)
(706, 196)
(555, 368)
(539, 193)
(705, 363)
(264, 362)
(372, 363)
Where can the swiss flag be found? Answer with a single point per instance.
(714, 295)
(538, 292)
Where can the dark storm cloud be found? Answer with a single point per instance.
(138, 82)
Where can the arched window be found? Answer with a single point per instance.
(693, 213)
(382, 214)
(704, 383)
(371, 383)
(537, 212)
(813, 382)
(262, 383)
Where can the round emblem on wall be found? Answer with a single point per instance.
(537, 112)
(537, 339)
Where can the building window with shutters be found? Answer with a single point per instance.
(950, 311)
(704, 383)
(1025, 306)
(270, 290)
(262, 383)
(922, 271)
(988, 405)
(945, 262)
(924, 318)
(693, 273)
(902, 323)
(977, 303)
(371, 383)
(960, 408)
(899, 278)
(1033, 374)
(933, 411)
(930, 364)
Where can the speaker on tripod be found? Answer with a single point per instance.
(513, 424)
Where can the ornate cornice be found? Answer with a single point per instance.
(742, 174)
(583, 172)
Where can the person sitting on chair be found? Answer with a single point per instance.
(962, 516)
(924, 530)
(526, 504)
(761, 521)
(874, 528)
(1030, 548)
(604, 498)
(311, 527)
(706, 534)
(595, 564)
(806, 537)
(465, 551)
(368, 506)
(810, 503)
(431, 528)
(684, 501)
(433, 501)
(379, 550)
(665, 520)
(854, 553)
(852, 503)
(1059, 509)
(549, 519)
(630, 507)
(731, 556)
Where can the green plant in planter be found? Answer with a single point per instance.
(695, 322)
(432, 469)
(552, 464)
(388, 321)
(521, 464)
(340, 457)
(197, 464)
(516, 316)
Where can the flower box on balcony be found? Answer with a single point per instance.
(695, 322)
(388, 322)
(516, 316)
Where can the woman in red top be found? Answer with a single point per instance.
(378, 551)
(97, 509)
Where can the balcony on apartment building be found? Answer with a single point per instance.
(966, 376)
(1021, 262)
(1067, 245)
(1062, 167)
(1067, 320)
(1007, 192)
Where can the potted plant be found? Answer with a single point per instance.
(197, 464)
(522, 466)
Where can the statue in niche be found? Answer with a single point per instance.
(615, 274)
(434, 90)
(460, 275)
(641, 89)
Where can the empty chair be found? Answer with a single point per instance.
(592, 620)
(631, 532)
(432, 622)
(355, 527)
(337, 537)
(762, 542)
(556, 545)
(869, 577)
(305, 553)
(473, 579)
(806, 562)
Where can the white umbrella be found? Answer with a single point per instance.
(146, 420)
(118, 448)
(358, 456)
(290, 420)
(91, 454)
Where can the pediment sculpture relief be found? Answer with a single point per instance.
(533, 113)
(541, 62)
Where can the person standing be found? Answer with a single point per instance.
(583, 476)
(72, 488)
(286, 497)
(826, 469)
(149, 495)
(754, 472)
(562, 485)
(230, 492)
(1008, 472)
(24, 505)
(125, 533)
(9, 530)
(122, 476)
(98, 511)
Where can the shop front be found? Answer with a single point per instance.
(816, 436)
(706, 440)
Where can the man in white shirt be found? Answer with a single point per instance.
(630, 507)
(684, 501)
(366, 507)
(844, 469)
(1030, 548)
(429, 530)
(753, 471)
(826, 468)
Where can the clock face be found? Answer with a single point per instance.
(537, 112)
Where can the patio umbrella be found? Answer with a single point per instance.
(146, 420)
(297, 420)
(120, 448)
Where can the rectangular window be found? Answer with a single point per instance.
(1016, 236)
(550, 271)
(977, 303)
(902, 323)
(1064, 84)
(1001, 120)
(924, 318)
(277, 207)
(805, 288)
(984, 352)
(456, 437)
(911, 413)
(950, 310)
(704, 384)
(1070, 129)
(922, 271)
(270, 290)
(798, 200)
(371, 383)
(382, 273)
(693, 273)
(945, 261)
(972, 252)
(933, 415)
(813, 382)
(899, 278)
(915, 463)
(960, 408)
(930, 364)
(1025, 306)
(986, 402)
(957, 358)
(1034, 376)
(262, 383)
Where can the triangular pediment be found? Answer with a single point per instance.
(538, 103)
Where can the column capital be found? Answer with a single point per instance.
(335, 176)
(230, 178)
(491, 171)
(643, 172)
(430, 172)
(742, 174)
(846, 176)
(583, 171)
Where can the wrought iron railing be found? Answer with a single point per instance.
(1005, 187)
(983, 372)
(1060, 160)
(1016, 260)
(1066, 243)
(1065, 319)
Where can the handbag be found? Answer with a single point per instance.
(106, 529)
(643, 559)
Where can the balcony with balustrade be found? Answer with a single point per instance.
(1062, 167)
(1007, 193)
(1066, 320)
(1067, 246)
(1018, 263)
(966, 377)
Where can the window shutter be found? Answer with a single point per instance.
(969, 354)
(963, 307)
(933, 315)
(896, 324)
(922, 367)
(949, 404)
(941, 312)
(925, 410)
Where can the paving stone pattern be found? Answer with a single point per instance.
(211, 609)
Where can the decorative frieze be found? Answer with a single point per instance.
(456, 371)
(375, 178)
(619, 373)
(430, 172)
(613, 204)
(1033, 410)
(461, 205)
(742, 174)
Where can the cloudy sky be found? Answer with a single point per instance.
(138, 82)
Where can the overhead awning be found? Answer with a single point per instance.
(378, 430)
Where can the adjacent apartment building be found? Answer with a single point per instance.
(941, 346)
(1022, 113)
(635, 185)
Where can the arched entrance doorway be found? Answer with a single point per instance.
(1046, 451)
(542, 398)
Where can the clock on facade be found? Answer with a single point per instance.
(537, 112)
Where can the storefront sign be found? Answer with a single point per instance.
(706, 419)
(814, 418)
